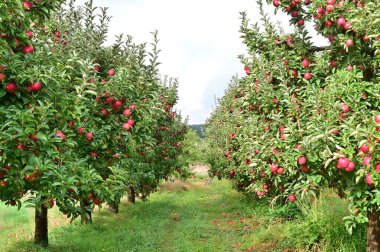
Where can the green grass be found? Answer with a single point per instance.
(193, 216)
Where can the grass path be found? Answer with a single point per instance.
(182, 216)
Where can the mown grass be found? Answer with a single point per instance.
(192, 216)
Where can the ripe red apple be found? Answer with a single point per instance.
(104, 111)
(330, 2)
(368, 179)
(320, 10)
(285, 62)
(89, 136)
(126, 126)
(97, 68)
(308, 76)
(131, 122)
(331, 38)
(109, 100)
(305, 168)
(71, 123)
(350, 167)
(342, 163)
(93, 154)
(127, 112)
(111, 72)
(276, 3)
(302, 160)
(29, 33)
(292, 198)
(377, 168)
(344, 107)
(61, 135)
(294, 13)
(232, 172)
(117, 105)
(349, 68)
(367, 160)
(35, 87)
(28, 49)
(377, 118)
(27, 5)
(273, 168)
(341, 21)
(364, 148)
(280, 170)
(305, 63)
(11, 87)
(349, 42)
(301, 22)
(80, 130)
(347, 26)
(115, 155)
(132, 107)
(333, 63)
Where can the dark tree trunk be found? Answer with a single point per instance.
(113, 207)
(373, 232)
(41, 227)
(86, 216)
(131, 195)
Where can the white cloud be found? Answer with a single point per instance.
(199, 41)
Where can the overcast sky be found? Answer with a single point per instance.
(199, 39)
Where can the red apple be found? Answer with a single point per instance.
(104, 111)
(90, 196)
(350, 167)
(127, 112)
(111, 72)
(377, 168)
(330, 2)
(308, 76)
(368, 179)
(276, 3)
(61, 135)
(80, 130)
(342, 163)
(126, 126)
(305, 63)
(2, 77)
(367, 160)
(117, 105)
(292, 198)
(273, 168)
(305, 168)
(35, 87)
(27, 5)
(344, 107)
(29, 33)
(11, 87)
(28, 49)
(364, 148)
(341, 21)
(349, 42)
(377, 118)
(302, 160)
(349, 68)
(300, 22)
(280, 170)
(89, 136)
(131, 122)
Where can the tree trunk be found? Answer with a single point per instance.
(131, 195)
(86, 216)
(41, 227)
(373, 232)
(113, 207)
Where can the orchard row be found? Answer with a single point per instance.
(305, 117)
(81, 124)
